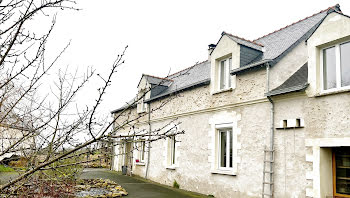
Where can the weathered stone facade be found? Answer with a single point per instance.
(303, 155)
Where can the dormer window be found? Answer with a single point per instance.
(224, 73)
(141, 105)
(335, 68)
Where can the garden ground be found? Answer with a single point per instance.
(138, 187)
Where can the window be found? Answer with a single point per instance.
(225, 149)
(141, 148)
(224, 144)
(341, 172)
(335, 69)
(141, 105)
(224, 73)
(171, 151)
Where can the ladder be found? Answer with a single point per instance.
(267, 185)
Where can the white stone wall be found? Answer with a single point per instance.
(9, 136)
(302, 154)
(334, 29)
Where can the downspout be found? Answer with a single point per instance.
(112, 143)
(149, 142)
(272, 106)
(272, 119)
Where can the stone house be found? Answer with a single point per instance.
(269, 116)
(10, 135)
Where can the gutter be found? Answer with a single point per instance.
(250, 67)
(197, 84)
(203, 82)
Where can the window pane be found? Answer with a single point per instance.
(143, 150)
(329, 75)
(230, 132)
(342, 160)
(345, 64)
(229, 75)
(222, 75)
(222, 148)
(173, 150)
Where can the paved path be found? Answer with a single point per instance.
(138, 188)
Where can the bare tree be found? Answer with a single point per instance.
(33, 125)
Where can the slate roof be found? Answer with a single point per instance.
(273, 47)
(280, 42)
(196, 75)
(296, 82)
(156, 80)
(131, 104)
(193, 76)
(244, 42)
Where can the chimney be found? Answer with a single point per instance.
(337, 8)
(211, 48)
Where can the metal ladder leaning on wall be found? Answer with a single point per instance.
(268, 174)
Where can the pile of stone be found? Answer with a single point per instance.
(98, 188)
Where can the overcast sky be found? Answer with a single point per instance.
(163, 36)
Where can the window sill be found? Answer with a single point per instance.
(331, 92)
(171, 167)
(224, 172)
(222, 90)
(140, 164)
(286, 128)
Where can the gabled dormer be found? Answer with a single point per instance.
(329, 52)
(231, 52)
(149, 87)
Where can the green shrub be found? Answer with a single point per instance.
(176, 185)
(6, 169)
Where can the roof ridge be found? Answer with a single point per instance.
(157, 77)
(243, 39)
(332, 7)
(187, 68)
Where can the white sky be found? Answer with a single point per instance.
(163, 36)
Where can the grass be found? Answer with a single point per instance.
(176, 185)
(6, 169)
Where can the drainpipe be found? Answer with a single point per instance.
(149, 142)
(113, 147)
(272, 106)
(272, 119)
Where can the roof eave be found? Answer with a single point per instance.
(123, 108)
(203, 82)
(331, 11)
(250, 67)
(298, 88)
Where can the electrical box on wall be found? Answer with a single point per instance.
(291, 123)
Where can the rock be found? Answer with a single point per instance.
(117, 195)
(103, 188)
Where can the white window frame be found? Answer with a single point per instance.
(171, 144)
(337, 69)
(228, 136)
(141, 105)
(172, 151)
(228, 82)
(141, 150)
(220, 128)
